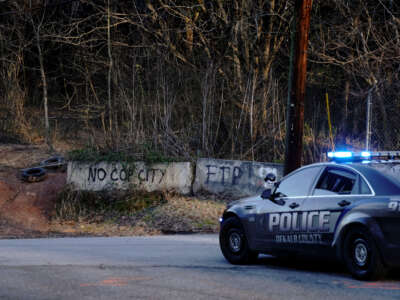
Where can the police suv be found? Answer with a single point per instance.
(348, 208)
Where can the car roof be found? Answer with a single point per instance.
(382, 183)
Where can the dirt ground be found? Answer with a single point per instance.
(26, 208)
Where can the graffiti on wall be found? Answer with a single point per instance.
(126, 175)
(235, 175)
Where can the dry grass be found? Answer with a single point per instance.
(182, 214)
(168, 214)
(87, 228)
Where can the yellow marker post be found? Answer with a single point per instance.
(329, 121)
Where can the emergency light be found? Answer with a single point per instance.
(348, 156)
(340, 154)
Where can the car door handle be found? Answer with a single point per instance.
(344, 203)
(294, 205)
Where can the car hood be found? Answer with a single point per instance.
(244, 201)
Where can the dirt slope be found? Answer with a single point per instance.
(25, 207)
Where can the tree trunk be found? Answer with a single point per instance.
(44, 85)
(110, 66)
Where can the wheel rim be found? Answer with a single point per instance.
(235, 242)
(360, 253)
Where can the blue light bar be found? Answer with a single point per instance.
(363, 156)
(340, 154)
(366, 154)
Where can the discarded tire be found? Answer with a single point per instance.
(34, 174)
(54, 162)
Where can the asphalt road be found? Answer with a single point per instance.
(167, 267)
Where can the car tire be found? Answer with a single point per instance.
(233, 243)
(33, 174)
(54, 162)
(361, 256)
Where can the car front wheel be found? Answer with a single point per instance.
(233, 242)
(361, 255)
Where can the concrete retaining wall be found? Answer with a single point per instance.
(100, 176)
(234, 177)
(229, 177)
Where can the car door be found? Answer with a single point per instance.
(278, 217)
(336, 189)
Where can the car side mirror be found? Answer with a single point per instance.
(270, 177)
(266, 194)
(276, 198)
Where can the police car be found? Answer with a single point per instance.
(348, 208)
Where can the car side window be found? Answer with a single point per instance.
(298, 184)
(364, 188)
(336, 182)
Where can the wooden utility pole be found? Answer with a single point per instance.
(297, 88)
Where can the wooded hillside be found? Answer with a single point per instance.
(196, 77)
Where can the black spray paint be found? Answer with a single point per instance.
(143, 175)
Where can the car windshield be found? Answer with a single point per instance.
(298, 183)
